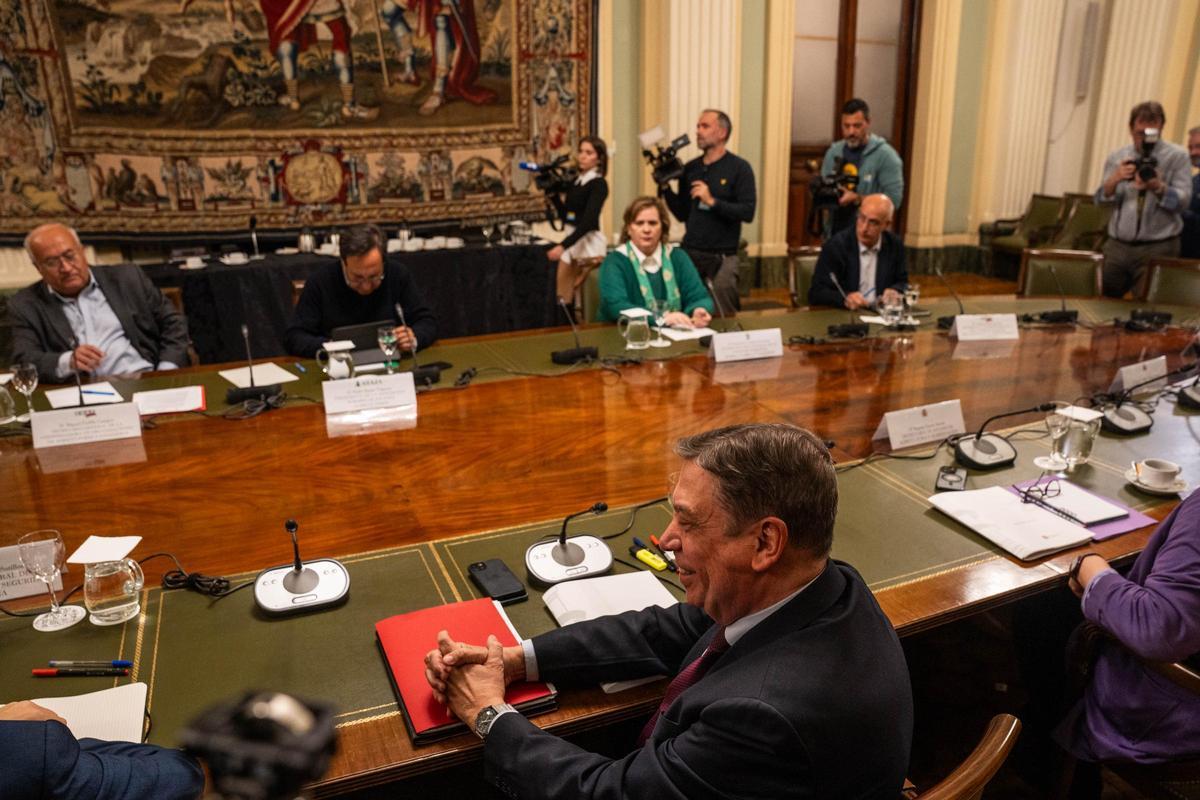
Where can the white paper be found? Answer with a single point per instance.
(170, 401)
(984, 327)
(1083, 505)
(114, 715)
(15, 581)
(1079, 413)
(94, 394)
(635, 313)
(746, 345)
(1023, 529)
(338, 345)
(685, 334)
(265, 374)
(368, 392)
(872, 319)
(89, 424)
(103, 548)
(921, 424)
(1143, 371)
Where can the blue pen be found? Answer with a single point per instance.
(641, 545)
(118, 664)
(97, 391)
(299, 366)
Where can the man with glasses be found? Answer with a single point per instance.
(867, 261)
(107, 321)
(362, 288)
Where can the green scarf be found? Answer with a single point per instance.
(674, 302)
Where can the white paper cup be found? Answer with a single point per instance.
(1158, 473)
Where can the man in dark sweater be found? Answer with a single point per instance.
(716, 195)
(867, 260)
(361, 288)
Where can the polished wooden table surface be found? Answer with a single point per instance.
(501, 453)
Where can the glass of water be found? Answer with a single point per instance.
(891, 308)
(386, 336)
(1057, 425)
(659, 307)
(42, 553)
(25, 380)
(111, 590)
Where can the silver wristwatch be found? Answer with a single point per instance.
(483, 722)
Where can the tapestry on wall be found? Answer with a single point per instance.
(193, 115)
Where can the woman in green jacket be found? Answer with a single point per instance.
(645, 268)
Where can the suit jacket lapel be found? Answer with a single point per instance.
(116, 301)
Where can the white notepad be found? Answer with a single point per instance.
(1083, 505)
(1023, 529)
(93, 394)
(114, 715)
(265, 374)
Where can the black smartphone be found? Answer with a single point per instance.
(950, 478)
(495, 579)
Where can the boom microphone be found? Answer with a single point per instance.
(577, 353)
(427, 375)
(235, 395)
(565, 559)
(1062, 315)
(945, 323)
(852, 329)
(989, 451)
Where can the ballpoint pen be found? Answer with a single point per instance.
(99, 392)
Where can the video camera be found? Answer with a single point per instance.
(826, 190)
(553, 177)
(1146, 165)
(664, 162)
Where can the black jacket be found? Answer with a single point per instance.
(581, 207)
(839, 256)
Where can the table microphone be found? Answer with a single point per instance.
(946, 323)
(254, 239)
(564, 558)
(1125, 418)
(852, 329)
(720, 306)
(300, 586)
(427, 375)
(989, 451)
(235, 395)
(1062, 315)
(577, 353)
(78, 383)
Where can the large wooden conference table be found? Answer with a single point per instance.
(491, 466)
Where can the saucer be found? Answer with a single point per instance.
(1180, 485)
(287, 251)
(234, 262)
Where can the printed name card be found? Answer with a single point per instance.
(368, 392)
(745, 345)
(984, 327)
(921, 424)
(1143, 371)
(15, 581)
(87, 424)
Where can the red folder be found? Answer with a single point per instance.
(405, 639)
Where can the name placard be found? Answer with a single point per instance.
(368, 392)
(1141, 372)
(921, 424)
(15, 581)
(86, 424)
(745, 345)
(984, 327)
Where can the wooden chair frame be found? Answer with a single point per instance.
(1155, 264)
(968, 780)
(1097, 260)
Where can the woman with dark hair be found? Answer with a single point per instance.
(579, 208)
(645, 269)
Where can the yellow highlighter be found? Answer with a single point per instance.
(647, 558)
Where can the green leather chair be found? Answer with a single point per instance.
(590, 296)
(1038, 224)
(1078, 272)
(1172, 280)
(802, 263)
(1085, 227)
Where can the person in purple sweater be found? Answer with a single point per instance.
(1129, 713)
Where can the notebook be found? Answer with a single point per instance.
(115, 715)
(405, 639)
(1023, 529)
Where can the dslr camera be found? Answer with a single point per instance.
(1146, 165)
(664, 162)
(826, 189)
(554, 177)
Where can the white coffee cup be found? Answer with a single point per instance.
(1158, 473)
(236, 257)
(195, 262)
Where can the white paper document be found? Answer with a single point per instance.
(1142, 374)
(93, 394)
(984, 327)
(685, 334)
(170, 401)
(919, 424)
(369, 392)
(265, 374)
(103, 548)
(81, 425)
(1083, 505)
(746, 345)
(1023, 529)
(578, 601)
(115, 715)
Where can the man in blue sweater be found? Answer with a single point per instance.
(877, 164)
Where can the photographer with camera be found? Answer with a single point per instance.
(578, 204)
(857, 165)
(1149, 181)
(716, 195)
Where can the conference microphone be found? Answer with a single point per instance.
(721, 306)
(1062, 315)
(235, 395)
(945, 323)
(568, 558)
(852, 330)
(577, 353)
(78, 382)
(254, 239)
(300, 586)
(1126, 418)
(427, 375)
(989, 451)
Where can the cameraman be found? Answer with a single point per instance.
(579, 208)
(876, 164)
(1150, 183)
(716, 195)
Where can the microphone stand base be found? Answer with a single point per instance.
(945, 323)
(584, 557)
(320, 584)
(1189, 396)
(234, 396)
(1126, 420)
(1155, 319)
(574, 355)
(426, 375)
(1069, 315)
(987, 452)
(851, 330)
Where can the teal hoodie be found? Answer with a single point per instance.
(879, 172)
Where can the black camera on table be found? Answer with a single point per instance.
(664, 162)
(1146, 165)
(553, 177)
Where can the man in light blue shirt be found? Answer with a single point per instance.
(108, 321)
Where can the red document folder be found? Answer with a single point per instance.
(405, 639)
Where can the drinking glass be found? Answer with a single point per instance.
(25, 380)
(890, 308)
(659, 307)
(1074, 446)
(386, 336)
(1057, 424)
(912, 296)
(636, 332)
(487, 228)
(8, 409)
(42, 553)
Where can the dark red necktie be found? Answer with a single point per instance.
(689, 675)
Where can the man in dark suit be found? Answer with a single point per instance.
(868, 261)
(789, 680)
(107, 321)
(41, 760)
